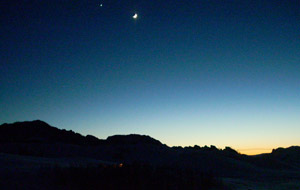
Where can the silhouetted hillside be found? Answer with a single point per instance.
(31, 145)
(39, 131)
(290, 155)
(132, 139)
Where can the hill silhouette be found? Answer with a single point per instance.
(33, 145)
(39, 131)
(132, 139)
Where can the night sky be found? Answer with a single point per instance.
(185, 72)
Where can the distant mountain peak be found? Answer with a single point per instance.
(40, 131)
(27, 123)
(132, 139)
(39, 122)
(289, 150)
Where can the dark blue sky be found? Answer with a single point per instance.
(185, 72)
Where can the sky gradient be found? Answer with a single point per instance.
(205, 72)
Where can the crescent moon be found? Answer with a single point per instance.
(135, 16)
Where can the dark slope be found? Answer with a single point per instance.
(39, 139)
(39, 131)
(289, 155)
(132, 139)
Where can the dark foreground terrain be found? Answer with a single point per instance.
(109, 177)
(35, 155)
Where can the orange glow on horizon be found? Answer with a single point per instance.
(255, 151)
(242, 150)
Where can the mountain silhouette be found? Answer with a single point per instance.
(39, 131)
(132, 139)
(35, 144)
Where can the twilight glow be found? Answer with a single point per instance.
(199, 72)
